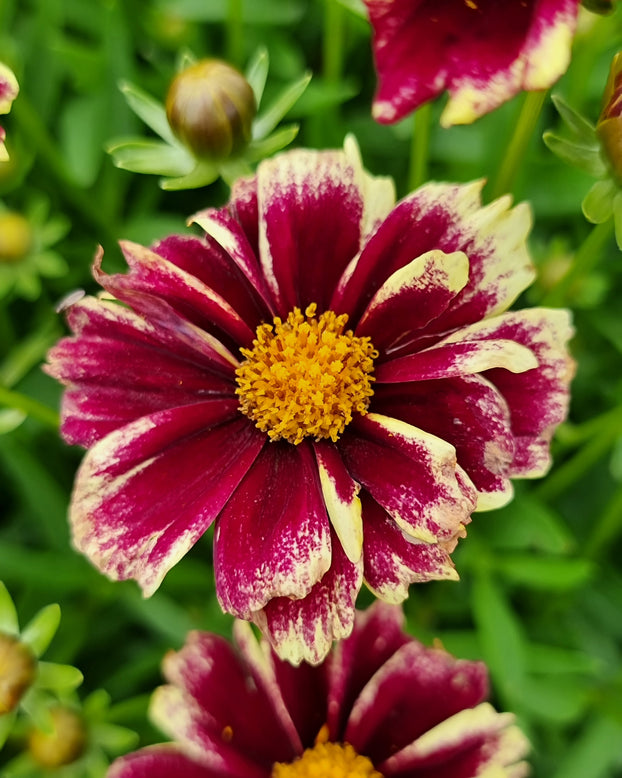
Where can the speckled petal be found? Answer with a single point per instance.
(412, 474)
(483, 52)
(119, 367)
(146, 493)
(473, 742)
(161, 761)
(273, 537)
(304, 630)
(393, 560)
(415, 690)
(449, 218)
(232, 708)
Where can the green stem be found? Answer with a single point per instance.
(332, 53)
(419, 148)
(586, 257)
(608, 526)
(29, 406)
(515, 153)
(235, 32)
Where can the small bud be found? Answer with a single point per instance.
(64, 744)
(18, 668)
(15, 237)
(210, 107)
(609, 125)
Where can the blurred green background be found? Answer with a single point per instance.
(540, 598)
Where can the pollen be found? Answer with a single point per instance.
(305, 376)
(327, 760)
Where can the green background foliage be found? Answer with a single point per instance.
(540, 597)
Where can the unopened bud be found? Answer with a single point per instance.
(15, 237)
(63, 744)
(18, 667)
(210, 107)
(609, 125)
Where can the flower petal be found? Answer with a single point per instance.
(304, 630)
(450, 218)
(145, 493)
(471, 414)
(412, 296)
(468, 743)
(409, 695)
(9, 89)
(340, 494)
(118, 367)
(232, 708)
(412, 474)
(159, 761)
(394, 560)
(273, 537)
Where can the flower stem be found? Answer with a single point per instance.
(419, 149)
(235, 33)
(585, 258)
(332, 54)
(608, 526)
(29, 406)
(515, 152)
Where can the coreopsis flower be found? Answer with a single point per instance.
(9, 89)
(382, 704)
(482, 51)
(333, 379)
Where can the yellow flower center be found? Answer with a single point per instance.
(327, 760)
(305, 376)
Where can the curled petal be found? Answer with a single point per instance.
(159, 761)
(273, 537)
(146, 493)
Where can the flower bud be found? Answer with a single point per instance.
(15, 237)
(210, 107)
(63, 744)
(17, 671)
(609, 125)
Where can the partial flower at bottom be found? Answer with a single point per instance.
(381, 705)
(333, 379)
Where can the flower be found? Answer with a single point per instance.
(482, 51)
(382, 704)
(333, 380)
(9, 90)
(609, 125)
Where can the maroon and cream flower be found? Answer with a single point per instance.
(9, 89)
(382, 704)
(330, 378)
(482, 51)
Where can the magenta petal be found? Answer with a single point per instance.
(409, 695)
(377, 635)
(304, 629)
(161, 761)
(273, 537)
(393, 560)
(412, 474)
(146, 493)
(310, 215)
(233, 708)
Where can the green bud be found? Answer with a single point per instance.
(18, 668)
(15, 237)
(63, 744)
(598, 6)
(210, 107)
(609, 125)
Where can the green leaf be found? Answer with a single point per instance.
(356, 6)
(203, 174)
(268, 119)
(581, 127)
(586, 158)
(267, 12)
(562, 700)
(257, 72)
(8, 614)
(58, 678)
(594, 752)
(617, 218)
(597, 204)
(6, 725)
(150, 156)
(260, 149)
(528, 523)
(115, 739)
(550, 573)
(149, 110)
(554, 660)
(39, 632)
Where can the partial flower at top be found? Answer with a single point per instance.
(482, 51)
(9, 90)
(381, 705)
(333, 379)
(210, 126)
